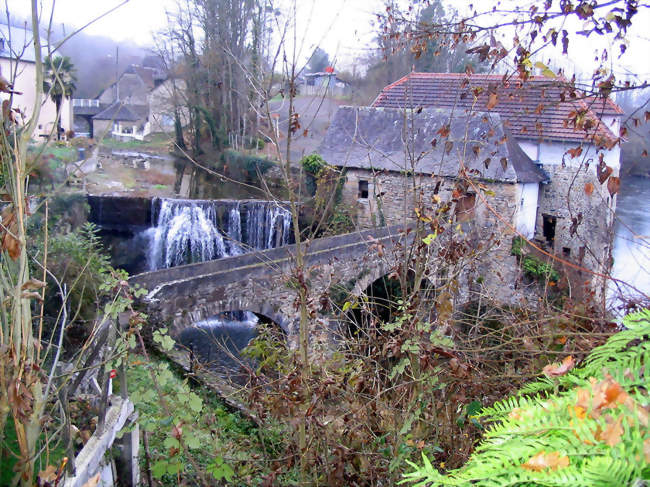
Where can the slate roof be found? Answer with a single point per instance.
(120, 112)
(374, 138)
(538, 108)
(21, 45)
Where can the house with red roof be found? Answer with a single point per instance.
(549, 153)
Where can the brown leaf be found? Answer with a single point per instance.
(613, 185)
(589, 189)
(603, 171)
(493, 99)
(575, 152)
(48, 475)
(543, 461)
(93, 482)
(612, 434)
(556, 370)
(448, 146)
(32, 284)
(443, 131)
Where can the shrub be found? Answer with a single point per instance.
(538, 269)
(237, 163)
(313, 164)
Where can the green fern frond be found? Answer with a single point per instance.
(536, 422)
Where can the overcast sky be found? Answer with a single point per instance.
(342, 27)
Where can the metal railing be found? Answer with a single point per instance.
(84, 102)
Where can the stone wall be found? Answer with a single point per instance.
(583, 221)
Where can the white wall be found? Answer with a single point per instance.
(527, 209)
(25, 83)
(551, 153)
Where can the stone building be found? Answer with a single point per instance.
(392, 165)
(124, 110)
(571, 137)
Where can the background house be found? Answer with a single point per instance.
(123, 122)
(18, 65)
(128, 99)
(325, 84)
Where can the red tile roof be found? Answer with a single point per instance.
(539, 108)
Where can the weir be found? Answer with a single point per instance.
(150, 234)
(189, 231)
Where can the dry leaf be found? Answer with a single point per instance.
(603, 171)
(48, 475)
(612, 434)
(613, 185)
(93, 482)
(443, 131)
(492, 101)
(556, 370)
(543, 461)
(33, 284)
(646, 450)
(589, 189)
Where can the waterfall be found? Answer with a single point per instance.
(234, 230)
(187, 231)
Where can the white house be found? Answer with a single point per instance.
(18, 65)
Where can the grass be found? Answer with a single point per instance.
(155, 141)
(56, 155)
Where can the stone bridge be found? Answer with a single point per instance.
(260, 281)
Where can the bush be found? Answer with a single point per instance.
(237, 163)
(538, 269)
(313, 164)
(77, 260)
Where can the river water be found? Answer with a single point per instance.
(632, 237)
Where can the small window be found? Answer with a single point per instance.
(465, 207)
(549, 223)
(566, 251)
(363, 189)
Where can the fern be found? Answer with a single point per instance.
(576, 436)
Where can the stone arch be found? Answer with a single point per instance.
(375, 272)
(240, 302)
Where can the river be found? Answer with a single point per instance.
(632, 236)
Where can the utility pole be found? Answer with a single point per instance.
(117, 84)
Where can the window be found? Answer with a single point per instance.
(549, 222)
(465, 207)
(363, 189)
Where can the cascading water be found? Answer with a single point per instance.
(188, 231)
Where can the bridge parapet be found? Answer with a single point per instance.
(260, 281)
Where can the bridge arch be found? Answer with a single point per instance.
(241, 302)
